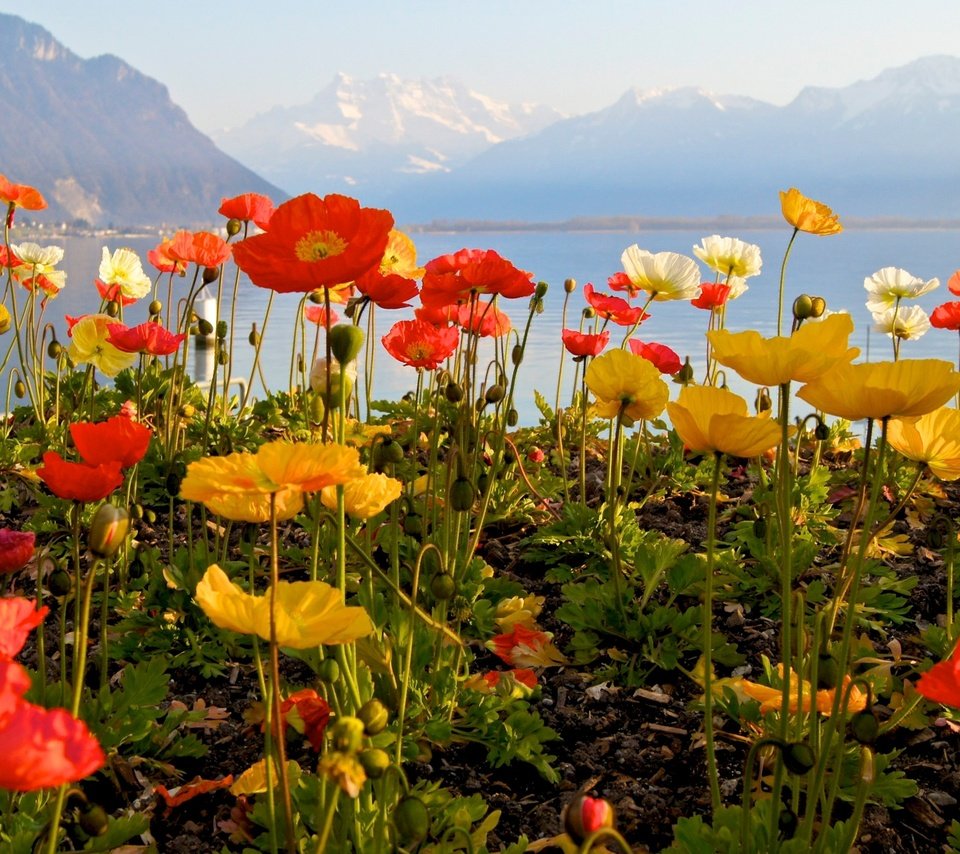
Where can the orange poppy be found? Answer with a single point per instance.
(308, 713)
(79, 481)
(161, 259)
(452, 278)
(248, 207)
(420, 344)
(318, 314)
(19, 196)
(584, 344)
(315, 243)
(483, 319)
(198, 247)
(118, 439)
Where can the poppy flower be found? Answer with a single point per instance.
(941, 683)
(88, 343)
(627, 386)
(387, 291)
(615, 309)
(525, 647)
(907, 388)
(483, 319)
(37, 267)
(518, 682)
(308, 613)
(364, 496)
(20, 195)
(419, 344)
(518, 610)
(953, 283)
(318, 314)
(904, 322)
(710, 419)
(813, 350)
(946, 316)
(118, 439)
(248, 207)
(452, 278)
(149, 338)
(124, 270)
(308, 713)
(584, 344)
(621, 282)
(160, 258)
(889, 285)
(664, 275)
(437, 315)
(18, 617)
(188, 791)
(112, 293)
(79, 481)
(729, 256)
(16, 549)
(586, 815)
(772, 698)
(663, 358)
(315, 243)
(712, 295)
(807, 215)
(933, 439)
(198, 247)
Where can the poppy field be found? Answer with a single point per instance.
(663, 618)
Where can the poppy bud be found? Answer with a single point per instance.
(760, 527)
(113, 308)
(589, 312)
(374, 762)
(494, 394)
(59, 582)
(411, 819)
(347, 734)
(254, 336)
(389, 451)
(221, 329)
(798, 757)
(516, 355)
(819, 306)
(413, 524)
(865, 727)
(93, 820)
(173, 484)
(685, 375)
(569, 285)
(826, 671)
(136, 568)
(512, 418)
(4, 319)
(763, 402)
(541, 290)
(316, 297)
(210, 275)
(442, 586)
(19, 388)
(233, 227)
(188, 410)
(345, 342)
(155, 307)
(453, 392)
(329, 671)
(462, 494)
(585, 815)
(788, 822)
(821, 432)
(204, 327)
(803, 307)
(222, 356)
(374, 716)
(108, 529)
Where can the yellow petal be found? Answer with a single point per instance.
(309, 467)
(365, 496)
(310, 613)
(225, 603)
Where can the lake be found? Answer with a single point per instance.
(833, 267)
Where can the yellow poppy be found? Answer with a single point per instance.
(810, 352)
(518, 611)
(822, 701)
(906, 388)
(713, 419)
(365, 496)
(308, 613)
(345, 770)
(254, 779)
(309, 467)
(88, 343)
(807, 215)
(933, 439)
(400, 257)
(626, 385)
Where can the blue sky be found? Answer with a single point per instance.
(224, 62)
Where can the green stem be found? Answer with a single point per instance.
(712, 772)
(783, 279)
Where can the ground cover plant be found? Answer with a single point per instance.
(663, 618)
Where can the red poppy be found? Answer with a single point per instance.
(615, 309)
(584, 344)
(118, 439)
(941, 682)
(18, 617)
(438, 315)
(621, 282)
(536, 455)
(71, 322)
(247, 207)
(946, 316)
(79, 481)
(113, 293)
(452, 278)
(387, 290)
(37, 281)
(315, 243)
(198, 247)
(8, 258)
(149, 338)
(318, 314)
(16, 549)
(19, 196)
(483, 319)
(14, 683)
(662, 357)
(953, 283)
(160, 258)
(524, 675)
(712, 295)
(310, 715)
(420, 344)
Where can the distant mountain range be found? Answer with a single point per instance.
(106, 145)
(102, 142)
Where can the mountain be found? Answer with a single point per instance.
(367, 137)
(103, 142)
(880, 147)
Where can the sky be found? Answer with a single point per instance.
(225, 62)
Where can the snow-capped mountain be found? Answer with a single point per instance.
(361, 136)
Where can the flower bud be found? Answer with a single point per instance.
(329, 671)
(585, 815)
(254, 336)
(204, 327)
(94, 820)
(316, 297)
(210, 275)
(589, 312)
(222, 355)
(819, 306)
(108, 529)
(865, 727)
(374, 716)
(374, 762)
(541, 290)
(338, 373)
(347, 734)
(826, 671)
(462, 494)
(112, 308)
(821, 432)
(569, 285)
(19, 388)
(345, 342)
(453, 392)
(233, 227)
(494, 394)
(389, 451)
(54, 349)
(155, 307)
(685, 375)
(442, 586)
(798, 757)
(763, 402)
(413, 524)
(221, 329)
(59, 582)
(803, 307)
(787, 822)
(513, 417)
(411, 819)
(516, 354)
(4, 319)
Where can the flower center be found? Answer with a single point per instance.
(418, 351)
(317, 245)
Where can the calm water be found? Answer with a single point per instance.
(833, 267)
